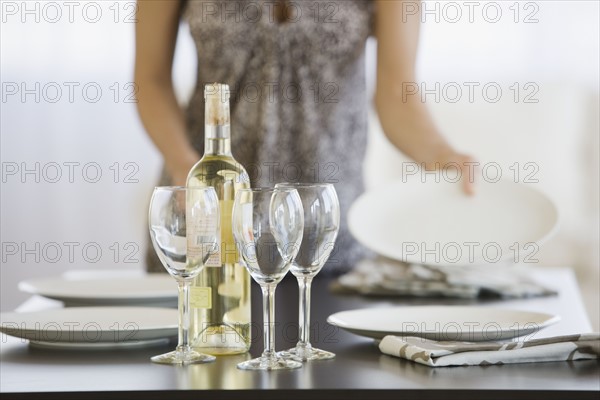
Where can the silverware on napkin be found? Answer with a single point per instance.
(443, 354)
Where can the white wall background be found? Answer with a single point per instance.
(558, 53)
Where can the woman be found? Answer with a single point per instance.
(299, 105)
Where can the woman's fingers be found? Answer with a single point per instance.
(464, 165)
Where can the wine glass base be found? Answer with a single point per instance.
(303, 354)
(183, 358)
(269, 364)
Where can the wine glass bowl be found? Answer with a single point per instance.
(267, 226)
(184, 226)
(321, 225)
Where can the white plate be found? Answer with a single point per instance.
(86, 274)
(464, 323)
(146, 290)
(92, 325)
(101, 346)
(435, 223)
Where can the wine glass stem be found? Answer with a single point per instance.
(268, 292)
(184, 315)
(304, 284)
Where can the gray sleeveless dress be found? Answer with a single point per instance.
(298, 95)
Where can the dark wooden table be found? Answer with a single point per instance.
(360, 370)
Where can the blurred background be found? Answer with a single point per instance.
(78, 168)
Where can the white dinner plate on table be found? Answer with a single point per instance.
(145, 290)
(462, 323)
(92, 327)
(435, 223)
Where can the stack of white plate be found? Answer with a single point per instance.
(106, 288)
(104, 310)
(92, 328)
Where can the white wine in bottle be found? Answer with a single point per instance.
(220, 295)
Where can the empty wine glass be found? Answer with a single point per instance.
(184, 228)
(267, 226)
(321, 225)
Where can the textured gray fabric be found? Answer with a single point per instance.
(384, 277)
(298, 95)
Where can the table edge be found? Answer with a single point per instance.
(330, 394)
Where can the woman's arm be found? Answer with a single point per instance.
(405, 119)
(156, 34)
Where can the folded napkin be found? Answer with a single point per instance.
(443, 354)
(382, 276)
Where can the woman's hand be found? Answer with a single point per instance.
(410, 128)
(466, 165)
(405, 119)
(179, 175)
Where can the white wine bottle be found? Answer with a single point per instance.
(220, 295)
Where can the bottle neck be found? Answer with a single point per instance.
(217, 140)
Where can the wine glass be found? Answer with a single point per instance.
(184, 228)
(321, 225)
(267, 226)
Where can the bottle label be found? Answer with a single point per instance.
(214, 260)
(202, 230)
(200, 297)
